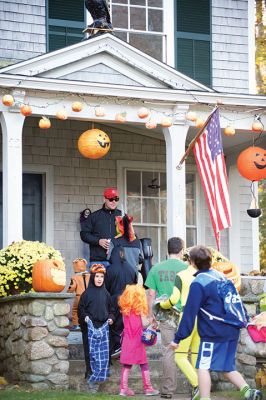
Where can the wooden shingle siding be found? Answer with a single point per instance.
(230, 52)
(22, 29)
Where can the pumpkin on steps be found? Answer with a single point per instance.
(230, 270)
(48, 276)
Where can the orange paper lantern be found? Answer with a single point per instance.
(94, 144)
(251, 163)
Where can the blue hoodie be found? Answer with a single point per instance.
(203, 294)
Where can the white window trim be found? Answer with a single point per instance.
(161, 167)
(48, 199)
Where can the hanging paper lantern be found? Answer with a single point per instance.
(251, 163)
(229, 130)
(191, 116)
(8, 100)
(94, 144)
(257, 126)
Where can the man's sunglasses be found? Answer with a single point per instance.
(113, 199)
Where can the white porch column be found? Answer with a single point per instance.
(12, 126)
(175, 138)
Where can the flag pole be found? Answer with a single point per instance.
(193, 141)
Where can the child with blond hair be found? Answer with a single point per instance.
(134, 308)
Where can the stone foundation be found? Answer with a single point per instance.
(33, 339)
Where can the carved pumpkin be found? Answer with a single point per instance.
(94, 144)
(48, 276)
(79, 265)
(251, 163)
(230, 270)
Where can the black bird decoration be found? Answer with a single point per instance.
(99, 11)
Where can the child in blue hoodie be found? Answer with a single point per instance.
(218, 340)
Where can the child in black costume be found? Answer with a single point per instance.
(96, 313)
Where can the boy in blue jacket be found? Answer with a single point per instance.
(218, 340)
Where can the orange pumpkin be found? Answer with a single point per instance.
(151, 124)
(257, 126)
(99, 112)
(166, 122)
(61, 114)
(8, 100)
(229, 131)
(44, 123)
(25, 110)
(77, 106)
(199, 123)
(230, 270)
(191, 116)
(120, 117)
(143, 112)
(79, 265)
(48, 276)
(251, 163)
(94, 144)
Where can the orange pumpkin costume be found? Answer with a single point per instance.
(79, 282)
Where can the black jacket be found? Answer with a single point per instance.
(95, 303)
(99, 225)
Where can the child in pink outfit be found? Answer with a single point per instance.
(134, 308)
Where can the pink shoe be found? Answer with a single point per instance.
(151, 392)
(126, 392)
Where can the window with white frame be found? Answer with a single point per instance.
(145, 200)
(140, 23)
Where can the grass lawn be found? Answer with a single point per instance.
(17, 393)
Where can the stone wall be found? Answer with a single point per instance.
(33, 339)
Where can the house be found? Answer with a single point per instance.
(170, 56)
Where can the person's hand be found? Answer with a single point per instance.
(87, 319)
(104, 243)
(174, 345)
(110, 321)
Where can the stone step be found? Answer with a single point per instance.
(111, 386)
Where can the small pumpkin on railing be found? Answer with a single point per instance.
(48, 276)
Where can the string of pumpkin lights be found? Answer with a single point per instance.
(152, 115)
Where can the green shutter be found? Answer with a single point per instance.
(193, 59)
(72, 10)
(202, 62)
(193, 16)
(65, 23)
(193, 40)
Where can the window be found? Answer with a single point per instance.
(193, 48)
(145, 199)
(65, 23)
(32, 207)
(140, 23)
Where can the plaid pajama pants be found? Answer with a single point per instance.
(98, 339)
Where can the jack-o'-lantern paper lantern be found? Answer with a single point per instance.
(48, 276)
(251, 163)
(94, 144)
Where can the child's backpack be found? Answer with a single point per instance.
(235, 312)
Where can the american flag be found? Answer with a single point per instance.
(209, 156)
